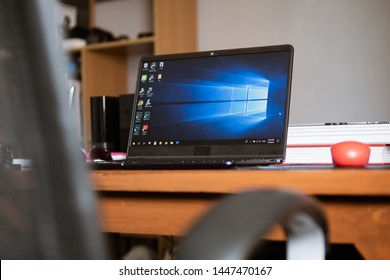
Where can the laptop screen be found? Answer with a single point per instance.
(213, 102)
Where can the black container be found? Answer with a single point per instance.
(105, 122)
(126, 102)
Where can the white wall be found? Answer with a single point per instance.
(125, 17)
(342, 50)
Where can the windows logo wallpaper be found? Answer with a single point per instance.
(221, 98)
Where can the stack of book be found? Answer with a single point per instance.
(311, 143)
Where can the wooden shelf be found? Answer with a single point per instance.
(104, 66)
(124, 46)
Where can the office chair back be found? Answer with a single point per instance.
(48, 211)
(238, 224)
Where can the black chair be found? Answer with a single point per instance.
(236, 226)
(49, 211)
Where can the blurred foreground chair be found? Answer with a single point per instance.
(49, 211)
(235, 227)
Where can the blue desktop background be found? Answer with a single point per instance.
(220, 98)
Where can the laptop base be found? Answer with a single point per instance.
(180, 165)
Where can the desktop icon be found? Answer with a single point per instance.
(137, 129)
(144, 78)
(138, 116)
(145, 127)
(146, 115)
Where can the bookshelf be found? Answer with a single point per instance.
(105, 66)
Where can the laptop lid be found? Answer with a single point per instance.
(226, 104)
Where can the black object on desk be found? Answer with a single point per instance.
(126, 102)
(105, 122)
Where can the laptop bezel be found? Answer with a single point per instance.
(268, 154)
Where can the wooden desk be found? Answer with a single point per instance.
(357, 202)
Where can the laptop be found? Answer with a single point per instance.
(211, 109)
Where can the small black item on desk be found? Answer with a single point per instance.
(6, 158)
(6, 153)
(105, 122)
(100, 153)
